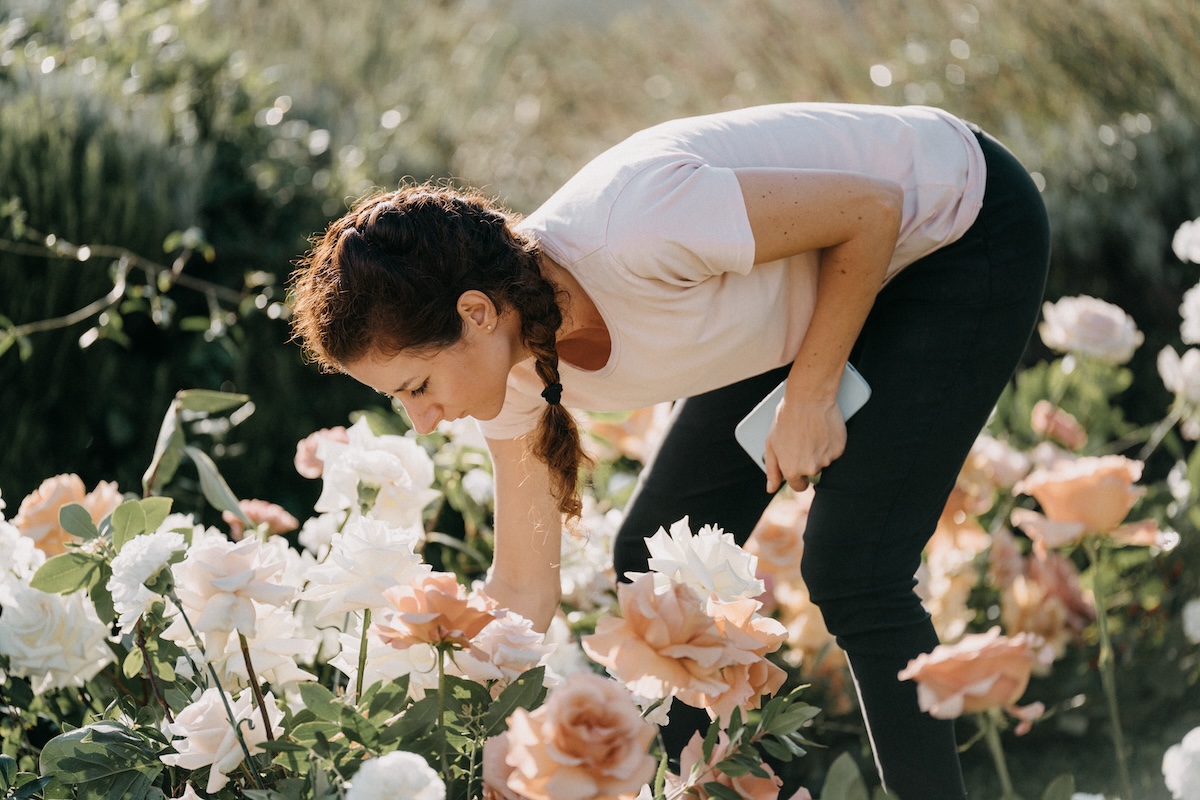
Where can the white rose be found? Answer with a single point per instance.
(317, 533)
(1191, 620)
(1181, 376)
(140, 560)
(396, 466)
(586, 570)
(386, 663)
(1186, 242)
(54, 640)
(366, 559)
(463, 432)
(208, 739)
(1181, 767)
(275, 648)
(506, 648)
(1087, 326)
(1189, 309)
(396, 774)
(710, 562)
(19, 556)
(219, 582)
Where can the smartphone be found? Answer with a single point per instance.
(751, 432)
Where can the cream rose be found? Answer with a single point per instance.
(205, 737)
(54, 640)
(308, 464)
(1181, 767)
(366, 559)
(396, 775)
(1090, 327)
(1186, 241)
(709, 561)
(588, 740)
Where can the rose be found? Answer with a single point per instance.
(308, 464)
(503, 651)
(1181, 376)
(205, 737)
(635, 436)
(37, 517)
(433, 609)
(1095, 493)
(979, 672)
(664, 643)
(54, 640)
(588, 740)
(1090, 327)
(386, 663)
(276, 518)
(777, 540)
(19, 556)
(395, 775)
(1186, 241)
(710, 561)
(694, 768)
(139, 561)
(1189, 309)
(1054, 423)
(1181, 767)
(744, 628)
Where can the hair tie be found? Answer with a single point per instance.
(552, 394)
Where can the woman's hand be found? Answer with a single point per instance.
(807, 436)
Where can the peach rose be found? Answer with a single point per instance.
(277, 518)
(664, 644)
(700, 772)
(37, 517)
(1052, 422)
(308, 464)
(981, 671)
(740, 623)
(496, 770)
(778, 538)
(433, 609)
(1094, 492)
(588, 740)
(1005, 561)
(634, 437)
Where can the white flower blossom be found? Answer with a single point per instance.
(366, 559)
(139, 561)
(586, 565)
(503, 651)
(1189, 329)
(395, 775)
(397, 467)
(479, 485)
(1181, 767)
(386, 663)
(710, 562)
(464, 432)
(1181, 376)
(19, 555)
(1090, 327)
(317, 532)
(1191, 620)
(1186, 242)
(275, 649)
(54, 640)
(207, 739)
(219, 582)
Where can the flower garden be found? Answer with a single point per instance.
(354, 655)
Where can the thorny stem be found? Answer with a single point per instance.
(254, 687)
(141, 643)
(1096, 553)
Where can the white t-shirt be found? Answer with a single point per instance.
(656, 232)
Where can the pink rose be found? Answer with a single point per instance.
(1054, 423)
(277, 518)
(587, 741)
(433, 609)
(307, 462)
(37, 517)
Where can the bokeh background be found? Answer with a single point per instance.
(191, 148)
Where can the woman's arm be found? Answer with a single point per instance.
(528, 542)
(854, 221)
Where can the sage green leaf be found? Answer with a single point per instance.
(76, 521)
(1061, 788)
(321, 702)
(207, 401)
(100, 596)
(103, 760)
(156, 510)
(28, 786)
(8, 771)
(722, 792)
(214, 487)
(525, 692)
(168, 451)
(131, 667)
(67, 572)
(128, 521)
(844, 781)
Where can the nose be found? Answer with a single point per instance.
(424, 416)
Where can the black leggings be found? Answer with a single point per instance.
(938, 347)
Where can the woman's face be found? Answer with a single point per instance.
(468, 378)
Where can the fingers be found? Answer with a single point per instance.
(798, 484)
(774, 474)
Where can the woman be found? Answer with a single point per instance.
(707, 259)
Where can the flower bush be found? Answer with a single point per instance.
(353, 654)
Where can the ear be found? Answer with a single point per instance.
(477, 310)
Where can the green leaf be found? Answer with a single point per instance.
(128, 521)
(465, 698)
(67, 572)
(844, 781)
(207, 401)
(100, 596)
(168, 451)
(722, 792)
(103, 760)
(525, 692)
(76, 521)
(156, 510)
(8, 771)
(282, 746)
(385, 697)
(131, 667)
(321, 702)
(1061, 788)
(215, 490)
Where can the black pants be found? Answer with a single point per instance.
(938, 347)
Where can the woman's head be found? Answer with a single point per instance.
(391, 277)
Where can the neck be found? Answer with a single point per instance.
(583, 339)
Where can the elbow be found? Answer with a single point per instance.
(889, 202)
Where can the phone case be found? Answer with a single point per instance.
(751, 432)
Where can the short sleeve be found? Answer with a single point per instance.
(681, 221)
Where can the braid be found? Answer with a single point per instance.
(387, 276)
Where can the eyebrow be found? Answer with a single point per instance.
(404, 386)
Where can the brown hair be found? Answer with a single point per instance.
(387, 277)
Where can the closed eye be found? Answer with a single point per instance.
(420, 390)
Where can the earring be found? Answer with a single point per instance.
(489, 328)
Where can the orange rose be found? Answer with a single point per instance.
(37, 517)
(664, 644)
(748, 786)
(1095, 492)
(1048, 420)
(981, 671)
(588, 740)
(434, 609)
(277, 518)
